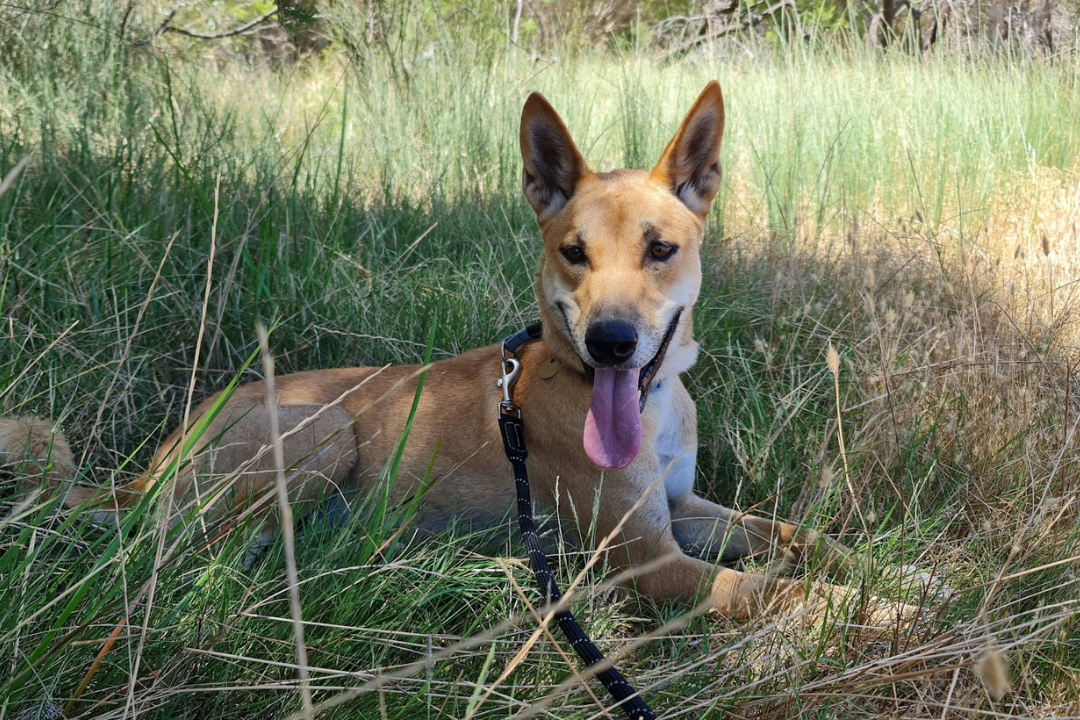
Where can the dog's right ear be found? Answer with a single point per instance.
(553, 166)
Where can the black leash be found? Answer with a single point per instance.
(513, 435)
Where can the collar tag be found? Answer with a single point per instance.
(548, 369)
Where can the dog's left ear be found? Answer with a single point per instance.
(690, 165)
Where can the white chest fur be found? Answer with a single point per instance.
(676, 442)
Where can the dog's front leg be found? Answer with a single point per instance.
(634, 526)
(714, 531)
(727, 534)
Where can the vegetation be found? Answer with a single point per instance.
(360, 195)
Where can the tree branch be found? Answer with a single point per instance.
(246, 27)
(723, 30)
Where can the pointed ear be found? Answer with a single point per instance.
(553, 165)
(690, 166)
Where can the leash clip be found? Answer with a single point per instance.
(511, 371)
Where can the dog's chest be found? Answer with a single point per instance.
(676, 443)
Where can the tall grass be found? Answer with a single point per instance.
(918, 215)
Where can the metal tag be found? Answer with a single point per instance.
(548, 369)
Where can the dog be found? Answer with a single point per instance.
(611, 446)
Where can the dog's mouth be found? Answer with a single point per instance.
(612, 436)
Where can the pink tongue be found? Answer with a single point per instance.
(613, 426)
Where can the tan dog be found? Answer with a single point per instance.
(619, 275)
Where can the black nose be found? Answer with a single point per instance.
(611, 342)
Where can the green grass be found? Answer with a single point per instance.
(895, 208)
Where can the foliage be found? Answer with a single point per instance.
(919, 215)
(406, 34)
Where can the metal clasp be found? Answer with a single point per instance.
(511, 370)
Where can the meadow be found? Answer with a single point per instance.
(919, 215)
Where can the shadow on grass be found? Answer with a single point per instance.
(104, 262)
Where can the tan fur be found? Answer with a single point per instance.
(341, 426)
(41, 458)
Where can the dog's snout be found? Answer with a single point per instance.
(611, 342)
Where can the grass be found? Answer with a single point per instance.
(920, 216)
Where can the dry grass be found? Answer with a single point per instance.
(935, 251)
(959, 423)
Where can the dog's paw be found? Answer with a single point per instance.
(819, 553)
(824, 605)
(913, 581)
(811, 604)
(881, 615)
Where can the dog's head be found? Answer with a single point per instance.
(620, 269)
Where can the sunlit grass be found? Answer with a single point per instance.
(919, 215)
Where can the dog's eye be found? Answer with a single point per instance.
(574, 254)
(660, 250)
